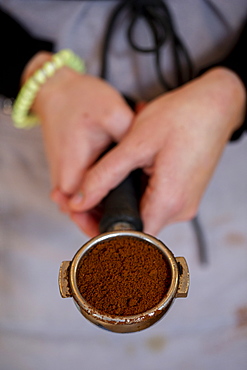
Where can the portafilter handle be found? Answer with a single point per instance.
(121, 206)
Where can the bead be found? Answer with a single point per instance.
(21, 116)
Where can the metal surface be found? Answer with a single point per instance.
(178, 287)
(184, 278)
(63, 280)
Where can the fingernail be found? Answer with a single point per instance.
(77, 199)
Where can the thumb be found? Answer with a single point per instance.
(105, 175)
(158, 204)
(153, 210)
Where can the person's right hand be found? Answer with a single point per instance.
(80, 116)
(177, 139)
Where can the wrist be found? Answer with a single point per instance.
(36, 62)
(231, 96)
(52, 90)
(226, 96)
(21, 113)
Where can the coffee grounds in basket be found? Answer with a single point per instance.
(123, 276)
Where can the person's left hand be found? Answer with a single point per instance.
(80, 116)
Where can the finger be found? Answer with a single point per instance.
(167, 197)
(106, 174)
(61, 199)
(74, 164)
(118, 122)
(153, 208)
(87, 222)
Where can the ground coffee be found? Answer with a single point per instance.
(123, 276)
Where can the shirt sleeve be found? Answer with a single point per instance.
(18, 47)
(236, 60)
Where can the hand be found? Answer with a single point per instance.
(177, 140)
(80, 116)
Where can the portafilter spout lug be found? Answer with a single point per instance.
(184, 278)
(63, 279)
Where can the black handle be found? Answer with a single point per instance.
(121, 206)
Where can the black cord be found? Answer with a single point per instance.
(200, 239)
(158, 20)
(107, 39)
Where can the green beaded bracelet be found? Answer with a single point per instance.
(21, 116)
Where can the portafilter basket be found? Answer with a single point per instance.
(121, 219)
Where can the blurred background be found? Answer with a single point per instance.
(40, 330)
